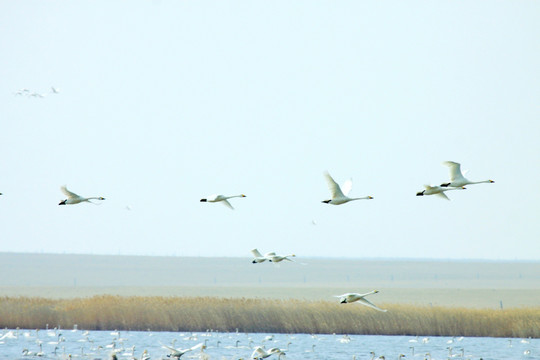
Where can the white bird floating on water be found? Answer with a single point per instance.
(177, 353)
(221, 198)
(437, 190)
(260, 353)
(456, 177)
(354, 297)
(339, 196)
(271, 257)
(75, 199)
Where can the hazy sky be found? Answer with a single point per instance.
(165, 102)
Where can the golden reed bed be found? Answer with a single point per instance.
(269, 316)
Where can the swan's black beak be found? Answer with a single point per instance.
(445, 185)
(326, 201)
(203, 200)
(253, 262)
(490, 181)
(344, 301)
(63, 202)
(101, 198)
(421, 193)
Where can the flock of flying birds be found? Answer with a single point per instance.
(35, 94)
(339, 196)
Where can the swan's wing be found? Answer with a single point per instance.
(256, 253)
(443, 195)
(370, 304)
(258, 352)
(455, 170)
(346, 187)
(333, 186)
(68, 193)
(171, 349)
(270, 254)
(228, 204)
(194, 347)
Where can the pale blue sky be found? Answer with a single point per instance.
(165, 102)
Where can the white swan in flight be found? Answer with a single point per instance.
(221, 198)
(260, 353)
(437, 190)
(456, 177)
(271, 257)
(354, 297)
(338, 196)
(75, 199)
(177, 353)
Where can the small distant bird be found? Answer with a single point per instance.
(221, 198)
(354, 297)
(338, 196)
(177, 353)
(22, 92)
(75, 199)
(437, 190)
(456, 177)
(35, 94)
(55, 90)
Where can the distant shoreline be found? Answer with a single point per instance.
(331, 258)
(263, 316)
(420, 283)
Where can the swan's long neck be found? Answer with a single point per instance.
(371, 292)
(235, 196)
(482, 182)
(362, 198)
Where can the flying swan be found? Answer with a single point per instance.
(271, 256)
(260, 353)
(338, 196)
(354, 297)
(177, 353)
(221, 198)
(75, 199)
(437, 190)
(456, 177)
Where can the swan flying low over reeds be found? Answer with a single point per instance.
(76, 199)
(355, 297)
(456, 177)
(221, 198)
(338, 195)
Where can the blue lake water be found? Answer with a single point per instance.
(100, 345)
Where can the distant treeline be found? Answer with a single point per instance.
(262, 315)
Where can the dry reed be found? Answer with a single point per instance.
(270, 316)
